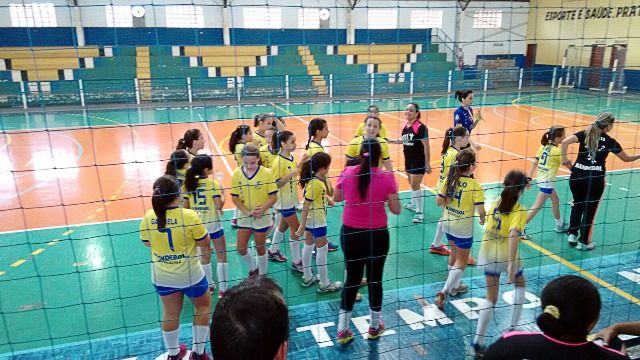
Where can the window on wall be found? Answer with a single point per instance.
(33, 15)
(184, 16)
(262, 17)
(119, 16)
(426, 19)
(309, 18)
(383, 18)
(487, 19)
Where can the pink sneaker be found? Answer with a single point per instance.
(374, 334)
(344, 337)
(181, 354)
(202, 356)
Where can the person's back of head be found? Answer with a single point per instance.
(251, 321)
(571, 308)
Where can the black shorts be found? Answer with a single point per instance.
(415, 166)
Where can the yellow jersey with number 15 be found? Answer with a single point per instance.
(174, 259)
(202, 201)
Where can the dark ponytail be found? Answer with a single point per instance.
(450, 136)
(565, 318)
(187, 140)
(198, 164)
(370, 154)
(554, 132)
(514, 182)
(237, 135)
(310, 167)
(315, 125)
(464, 161)
(178, 160)
(463, 94)
(278, 138)
(165, 192)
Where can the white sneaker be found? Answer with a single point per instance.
(586, 247)
(410, 206)
(463, 288)
(562, 228)
(572, 239)
(418, 218)
(330, 287)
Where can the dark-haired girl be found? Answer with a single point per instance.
(372, 111)
(464, 115)
(192, 141)
(318, 130)
(587, 178)
(173, 233)
(178, 164)
(417, 158)
(570, 310)
(499, 253)
(237, 141)
(313, 223)
(461, 196)
(372, 128)
(547, 162)
(365, 188)
(204, 195)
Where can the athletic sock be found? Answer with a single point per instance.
(278, 236)
(172, 341)
(417, 194)
(208, 273)
(344, 317)
(295, 250)
(321, 264)
(559, 222)
(262, 264)
(518, 300)
(376, 316)
(453, 278)
(437, 239)
(483, 322)
(200, 335)
(307, 252)
(248, 258)
(222, 270)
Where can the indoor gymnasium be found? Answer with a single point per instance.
(319, 179)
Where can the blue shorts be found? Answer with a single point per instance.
(287, 212)
(317, 232)
(192, 291)
(216, 235)
(261, 230)
(496, 273)
(547, 191)
(462, 243)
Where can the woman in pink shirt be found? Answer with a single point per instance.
(366, 189)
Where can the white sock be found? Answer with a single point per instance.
(222, 270)
(321, 264)
(295, 250)
(419, 200)
(449, 267)
(235, 214)
(262, 264)
(208, 273)
(200, 335)
(376, 316)
(559, 222)
(307, 252)
(437, 239)
(344, 317)
(278, 236)
(518, 300)
(453, 278)
(249, 260)
(483, 322)
(172, 341)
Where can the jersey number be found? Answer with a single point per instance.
(543, 158)
(202, 199)
(169, 237)
(498, 219)
(458, 196)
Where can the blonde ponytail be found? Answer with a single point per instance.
(593, 132)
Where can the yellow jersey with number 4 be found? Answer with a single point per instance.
(458, 214)
(174, 259)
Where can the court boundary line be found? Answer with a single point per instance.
(142, 332)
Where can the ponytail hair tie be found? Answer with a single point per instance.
(553, 311)
(365, 154)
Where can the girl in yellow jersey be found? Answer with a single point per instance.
(253, 191)
(173, 233)
(499, 252)
(548, 160)
(285, 172)
(461, 196)
(178, 165)
(313, 225)
(204, 195)
(372, 128)
(372, 111)
(237, 141)
(454, 140)
(268, 153)
(263, 122)
(318, 130)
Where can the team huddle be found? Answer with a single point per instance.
(269, 181)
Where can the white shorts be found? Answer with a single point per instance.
(259, 224)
